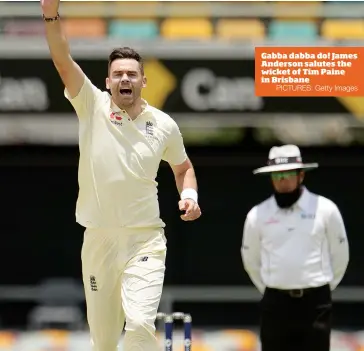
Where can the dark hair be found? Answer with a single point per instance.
(126, 53)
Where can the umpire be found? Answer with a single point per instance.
(296, 252)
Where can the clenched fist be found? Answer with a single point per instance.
(50, 7)
(191, 208)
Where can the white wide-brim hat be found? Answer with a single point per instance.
(285, 158)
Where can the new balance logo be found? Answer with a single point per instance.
(93, 283)
(143, 259)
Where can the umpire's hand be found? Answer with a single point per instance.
(191, 209)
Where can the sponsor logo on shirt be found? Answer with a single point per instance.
(115, 119)
(271, 221)
(149, 128)
(150, 134)
(308, 215)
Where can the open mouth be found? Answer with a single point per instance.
(125, 92)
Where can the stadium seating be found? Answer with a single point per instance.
(135, 9)
(343, 29)
(297, 9)
(85, 27)
(282, 30)
(133, 29)
(240, 29)
(186, 28)
(177, 9)
(281, 21)
(88, 9)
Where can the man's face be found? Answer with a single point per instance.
(125, 82)
(287, 181)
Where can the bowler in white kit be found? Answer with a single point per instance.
(122, 141)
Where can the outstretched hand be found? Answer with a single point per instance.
(50, 7)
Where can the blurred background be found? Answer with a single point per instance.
(199, 58)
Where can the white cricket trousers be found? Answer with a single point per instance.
(123, 273)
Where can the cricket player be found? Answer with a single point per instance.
(122, 141)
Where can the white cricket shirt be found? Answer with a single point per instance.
(305, 246)
(119, 160)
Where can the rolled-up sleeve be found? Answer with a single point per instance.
(175, 153)
(338, 246)
(251, 250)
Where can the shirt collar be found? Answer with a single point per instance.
(115, 108)
(304, 201)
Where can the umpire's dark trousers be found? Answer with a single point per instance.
(296, 320)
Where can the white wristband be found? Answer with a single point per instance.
(189, 193)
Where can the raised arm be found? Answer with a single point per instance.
(69, 71)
